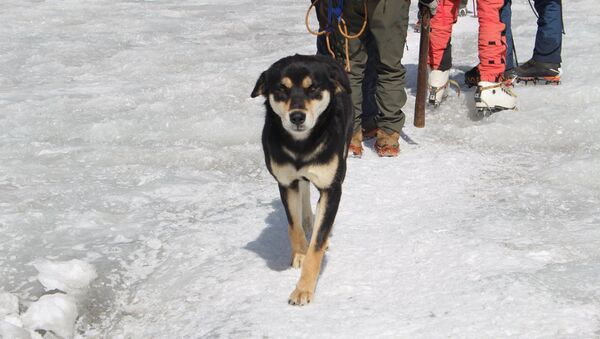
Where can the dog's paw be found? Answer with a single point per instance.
(297, 259)
(300, 297)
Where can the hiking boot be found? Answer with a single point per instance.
(370, 134)
(538, 71)
(387, 145)
(492, 97)
(369, 127)
(473, 77)
(355, 146)
(438, 85)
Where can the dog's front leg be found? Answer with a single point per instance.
(326, 211)
(307, 216)
(292, 202)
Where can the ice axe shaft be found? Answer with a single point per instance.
(419, 120)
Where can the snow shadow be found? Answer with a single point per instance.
(273, 244)
(411, 78)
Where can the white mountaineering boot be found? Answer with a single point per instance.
(438, 85)
(492, 97)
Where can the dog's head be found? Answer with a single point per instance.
(300, 88)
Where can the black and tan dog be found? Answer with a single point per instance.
(305, 139)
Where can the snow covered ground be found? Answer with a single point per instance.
(128, 140)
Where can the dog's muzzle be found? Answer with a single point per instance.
(297, 118)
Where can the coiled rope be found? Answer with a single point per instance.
(341, 26)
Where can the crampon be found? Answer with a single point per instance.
(555, 80)
(438, 94)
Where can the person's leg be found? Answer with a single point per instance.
(369, 85)
(353, 14)
(492, 43)
(492, 94)
(321, 46)
(548, 41)
(388, 21)
(472, 77)
(440, 50)
(440, 47)
(505, 16)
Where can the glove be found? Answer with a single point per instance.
(429, 4)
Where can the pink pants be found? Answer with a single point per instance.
(492, 42)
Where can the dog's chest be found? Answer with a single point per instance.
(322, 175)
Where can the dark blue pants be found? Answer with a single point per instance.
(548, 40)
(505, 15)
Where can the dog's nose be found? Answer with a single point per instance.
(297, 118)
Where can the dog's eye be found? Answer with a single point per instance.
(282, 89)
(313, 90)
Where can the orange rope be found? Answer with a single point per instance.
(362, 29)
(343, 29)
(347, 47)
(329, 46)
(312, 5)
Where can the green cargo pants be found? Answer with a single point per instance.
(387, 22)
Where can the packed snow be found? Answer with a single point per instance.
(70, 276)
(130, 160)
(53, 312)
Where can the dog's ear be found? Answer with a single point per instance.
(338, 76)
(259, 88)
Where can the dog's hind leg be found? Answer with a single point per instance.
(326, 211)
(307, 215)
(290, 196)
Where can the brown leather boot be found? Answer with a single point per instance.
(369, 134)
(355, 146)
(387, 145)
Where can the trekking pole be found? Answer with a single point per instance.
(474, 9)
(419, 119)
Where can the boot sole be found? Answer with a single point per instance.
(355, 152)
(387, 151)
(552, 80)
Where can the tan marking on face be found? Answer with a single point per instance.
(313, 109)
(282, 108)
(307, 82)
(287, 82)
(318, 106)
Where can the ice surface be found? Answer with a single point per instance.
(53, 312)
(8, 330)
(9, 304)
(68, 276)
(128, 141)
